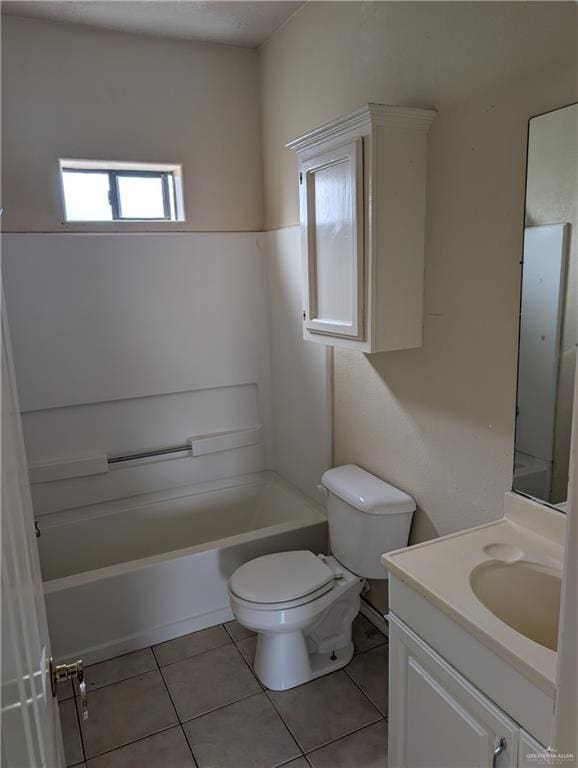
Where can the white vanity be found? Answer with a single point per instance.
(473, 631)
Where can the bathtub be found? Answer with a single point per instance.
(125, 575)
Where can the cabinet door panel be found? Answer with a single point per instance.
(332, 213)
(532, 753)
(437, 718)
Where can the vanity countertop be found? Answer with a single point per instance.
(445, 570)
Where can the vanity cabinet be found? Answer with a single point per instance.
(438, 719)
(362, 213)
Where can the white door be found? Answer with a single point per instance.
(436, 718)
(30, 724)
(331, 199)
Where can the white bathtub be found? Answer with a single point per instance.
(125, 575)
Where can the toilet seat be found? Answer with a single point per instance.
(285, 579)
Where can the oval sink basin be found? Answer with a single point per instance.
(524, 595)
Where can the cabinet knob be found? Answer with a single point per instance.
(502, 744)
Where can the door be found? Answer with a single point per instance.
(331, 195)
(436, 718)
(30, 725)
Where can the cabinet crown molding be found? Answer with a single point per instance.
(367, 116)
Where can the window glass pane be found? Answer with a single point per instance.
(172, 202)
(141, 197)
(86, 196)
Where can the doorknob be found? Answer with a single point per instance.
(60, 673)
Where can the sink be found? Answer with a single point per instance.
(522, 594)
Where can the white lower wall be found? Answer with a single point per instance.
(301, 371)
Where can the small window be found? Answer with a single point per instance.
(99, 191)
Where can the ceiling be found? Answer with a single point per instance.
(241, 23)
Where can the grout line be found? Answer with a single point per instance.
(366, 650)
(193, 656)
(331, 741)
(287, 726)
(133, 741)
(238, 639)
(217, 709)
(367, 696)
(175, 709)
(79, 724)
(289, 731)
(263, 691)
(344, 736)
(116, 682)
(251, 670)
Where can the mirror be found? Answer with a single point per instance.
(548, 313)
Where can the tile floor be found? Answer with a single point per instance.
(194, 702)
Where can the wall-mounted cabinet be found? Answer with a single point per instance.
(362, 211)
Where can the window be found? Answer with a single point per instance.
(99, 191)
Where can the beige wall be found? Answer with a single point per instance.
(438, 421)
(74, 91)
(552, 198)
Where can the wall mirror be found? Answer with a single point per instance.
(549, 311)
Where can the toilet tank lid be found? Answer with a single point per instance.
(366, 492)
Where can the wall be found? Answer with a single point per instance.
(79, 92)
(438, 421)
(125, 343)
(551, 198)
(300, 373)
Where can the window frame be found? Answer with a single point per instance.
(170, 176)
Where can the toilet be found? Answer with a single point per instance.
(302, 605)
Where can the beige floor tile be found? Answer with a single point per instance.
(237, 631)
(247, 734)
(324, 710)
(168, 749)
(365, 635)
(208, 681)
(363, 749)
(70, 732)
(370, 671)
(119, 668)
(126, 711)
(190, 645)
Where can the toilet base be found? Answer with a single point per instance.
(301, 642)
(282, 660)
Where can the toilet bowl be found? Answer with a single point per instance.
(302, 605)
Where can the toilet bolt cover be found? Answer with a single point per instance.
(280, 578)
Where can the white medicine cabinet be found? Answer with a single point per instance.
(362, 213)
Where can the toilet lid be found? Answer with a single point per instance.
(280, 578)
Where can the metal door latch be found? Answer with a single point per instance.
(60, 673)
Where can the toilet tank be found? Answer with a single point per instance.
(367, 517)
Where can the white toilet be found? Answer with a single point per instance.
(302, 605)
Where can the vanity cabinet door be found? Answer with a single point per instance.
(437, 719)
(331, 200)
(532, 753)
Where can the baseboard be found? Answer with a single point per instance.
(121, 645)
(374, 616)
